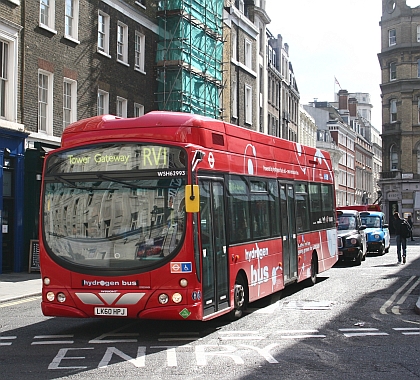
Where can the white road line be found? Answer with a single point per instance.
(350, 335)
(301, 336)
(173, 336)
(7, 337)
(394, 296)
(41, 342)
(362, 332)
(408, 330)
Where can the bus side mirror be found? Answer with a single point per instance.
(192, 198)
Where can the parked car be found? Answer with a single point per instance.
(377, 231)
(351, 236)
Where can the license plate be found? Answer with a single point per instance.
(111, 311)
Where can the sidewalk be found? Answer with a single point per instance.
(19, 285)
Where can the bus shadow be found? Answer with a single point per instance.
(288, 291)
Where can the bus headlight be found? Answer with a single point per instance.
(176, 298)
(163, 298)
(61, 297)
(50, 296)
(183, 282)
(47, 281)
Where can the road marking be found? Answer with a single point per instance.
(299, 334)
(100, 339)
(240, 335)
(408, 330)
(396, 309)
(390, 301)
(114, 333)
(178, 336)
(19, 301)
(307, 305)
(52, 341)
(349, 333)
(7, 337)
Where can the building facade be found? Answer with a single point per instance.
(400, 65)
(12, 135)
(240, 77)
(65, 61)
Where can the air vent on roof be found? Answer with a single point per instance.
(218, 139)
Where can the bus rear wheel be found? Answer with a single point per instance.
(314, 270)
(240, 295)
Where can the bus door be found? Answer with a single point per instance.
(288, 225)
(213, 246)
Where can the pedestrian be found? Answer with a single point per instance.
(410, 222)
(402, 232)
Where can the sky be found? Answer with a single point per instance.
(332, 39)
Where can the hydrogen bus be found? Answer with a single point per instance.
(178, 216)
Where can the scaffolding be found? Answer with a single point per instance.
(189, 56)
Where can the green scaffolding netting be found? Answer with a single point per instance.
(181, 41)
(207, 12)
(184, 91)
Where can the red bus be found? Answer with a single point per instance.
(178, 216)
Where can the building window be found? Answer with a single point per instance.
(418, 110)
(235, 100)
(418, 160)
(418, 68)
(72, 19)
(69, 102)
(392, 34)
(234, 46)
(103, 102)
(121, 107)
(103, 33)
(248, 54)
(393, 157)
(393, 110)
(139, 48)
(122, 43)
(418, 33)
(392, 71)
(47, 14)
(138, 110)
(45, 101)
(239, 4)
(9, 46)
(4, 56)
(248, 104)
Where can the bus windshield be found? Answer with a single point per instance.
(114, 215)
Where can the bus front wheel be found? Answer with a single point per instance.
(240, 298)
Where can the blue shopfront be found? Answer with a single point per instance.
(12, 150)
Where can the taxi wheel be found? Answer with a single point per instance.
(358, 259)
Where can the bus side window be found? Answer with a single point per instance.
(274, 208)
(238, 210)
(302, 210)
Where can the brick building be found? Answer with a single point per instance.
(66, 61)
